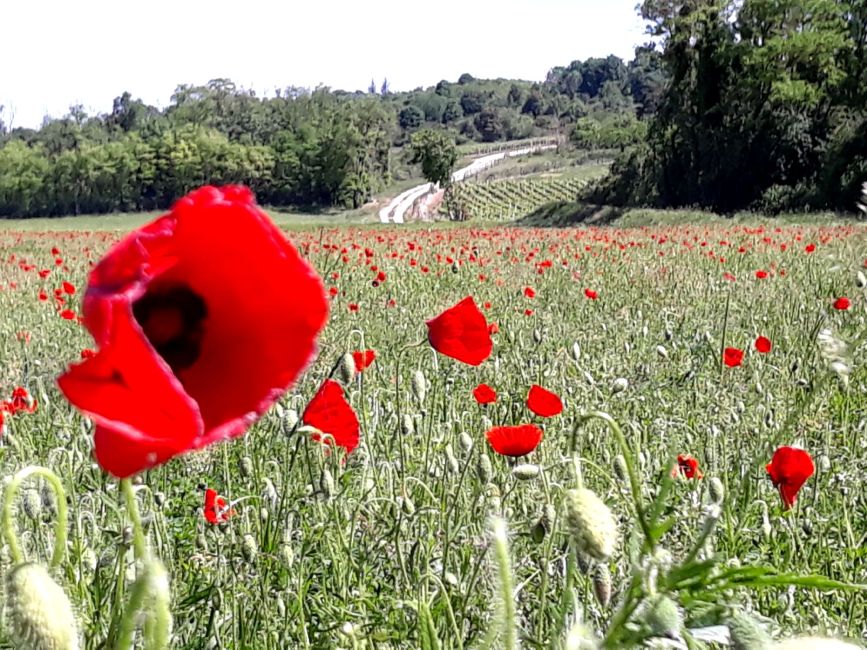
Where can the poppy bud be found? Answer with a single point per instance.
(451, 461)
(663, 617)
(537, 336)
(662, 352)
(407, 506)
(407, 425)
(31, 503)
(576, 352)
(249, 548)
(746, 633)
(245, 466)
(326, 483)
(620, 384)
(602, 584)
(38, 613)
(620, 470)
(717, 490)
(525, 472)
(591, 524)
(419, 386)
(484, 470)
(281, 606)
(861, 280)
(288, 555)
(465, 441)
(580, 638)
(543, 524)
(346, 368)
(201, 542)
(291, 419)
(492, 492)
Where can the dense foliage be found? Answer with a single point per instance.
(764, 107)
(298, 148)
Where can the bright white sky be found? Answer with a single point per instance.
(55, 53)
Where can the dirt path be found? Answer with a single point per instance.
(395, 211)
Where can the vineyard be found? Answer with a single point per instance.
(507, 199)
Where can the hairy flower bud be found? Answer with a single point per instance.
(249, 548)
(419, 386)
(591, 524)
(717, 490)
(602, 584)
(663, 616)
(38, 613)
(525, 471)
(484, 469)
(746, 633)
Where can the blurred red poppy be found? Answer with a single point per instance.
(592, 295)
(733, 357)
(363, 359)
(529, 292)
(761, 275)
(461, 332)
(202, 319)
(543, 402)
(842, 303)
(789, 469)
(514, 441)
(484, 394)
(763, 345)
(331, 414)
(687, 466)
(217, 511)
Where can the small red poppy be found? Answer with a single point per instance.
(217, 511)
(330, 413)
(514, 441)
(761, 275)
(543, 402)
(202, 319)
(842, 303)
(809, 248)
(484, 394)
(687, 466)
(21, 402)
(763, 345)
(592, 295)
(68, 288)
(461, 332)
(529, 292)
(363, 359)
(733, 357)
(789, 469)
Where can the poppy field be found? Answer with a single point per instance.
(454, 438)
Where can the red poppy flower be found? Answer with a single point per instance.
(761, 275)
(330, 413)
(363, 359)
(543, 402)
(217, 511)
(68, 288)
(733, 357)
(789, 469)
(43, 296)
(763, 345)
(809, 248)
(202, 319)
(67, 314)
(484, 394)
(514, 440)
(529, 292)
(493, 328)
(21, 402)
(461, 332)
(592, 295)
(687, 466)
(842, 303)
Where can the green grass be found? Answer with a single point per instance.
(399, 547)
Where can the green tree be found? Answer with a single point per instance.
(437, 154)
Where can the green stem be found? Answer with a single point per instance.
(60, 526)
(139, 543)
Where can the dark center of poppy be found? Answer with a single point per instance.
(172, 320)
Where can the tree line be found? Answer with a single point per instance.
(764, 107)
(297, 148)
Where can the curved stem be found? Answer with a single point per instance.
(60, 526)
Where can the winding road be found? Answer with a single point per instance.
(396, 209)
